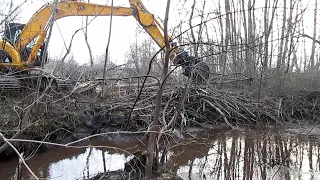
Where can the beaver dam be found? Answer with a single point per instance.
(204, 133)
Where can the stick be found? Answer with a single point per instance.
(220, 112)
(19, 155)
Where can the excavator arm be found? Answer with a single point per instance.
(36, 29)
(148, 22)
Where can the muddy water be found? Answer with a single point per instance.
(245, 154)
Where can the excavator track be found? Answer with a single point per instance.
(14, 84)
(9, 84)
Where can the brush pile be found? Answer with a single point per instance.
(66, 117)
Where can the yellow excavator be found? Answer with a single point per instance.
(22, 50)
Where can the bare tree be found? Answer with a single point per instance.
(312, 56)
(155, 123)
(85, 33)
(227, 35)
(195, 46)
(107, 51)
(281, 45)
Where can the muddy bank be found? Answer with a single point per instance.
(63, 118)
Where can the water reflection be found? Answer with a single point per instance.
(70, 163)
(256, 155)
(228, 155)
(86, 163)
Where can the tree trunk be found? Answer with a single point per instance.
(281, 45)
(85, 32)
(251, 36)
(222, 48)
(107, 52)
(247, 58)
(227, 36)
(312, 59)
(155, 123)
(195, 45)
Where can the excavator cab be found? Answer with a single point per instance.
(12, 31)
(11, 35)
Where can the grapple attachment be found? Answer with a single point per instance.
(192, 66)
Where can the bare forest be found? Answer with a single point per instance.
(255, 109)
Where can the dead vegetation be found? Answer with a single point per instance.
(72, 117)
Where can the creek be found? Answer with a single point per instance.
(272, 153)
